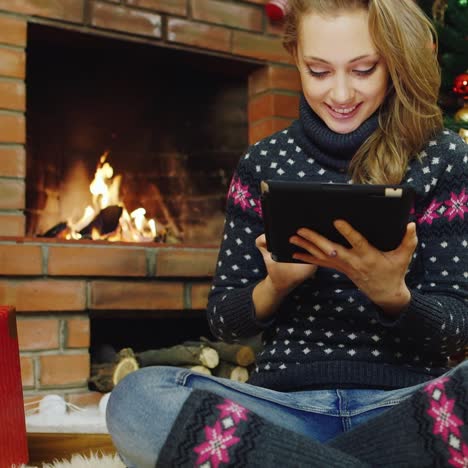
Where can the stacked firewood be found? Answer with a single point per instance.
(231, 361)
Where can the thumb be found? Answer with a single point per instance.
(260, 243)
(410, 240)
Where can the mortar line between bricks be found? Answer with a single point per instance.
(151, 262)
(45, 259)
(4, 45)
(188, 296)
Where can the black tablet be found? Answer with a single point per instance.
(379, 212)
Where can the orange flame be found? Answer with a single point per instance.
(105, 191)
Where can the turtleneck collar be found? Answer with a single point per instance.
(324, 145)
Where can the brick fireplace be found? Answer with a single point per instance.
(59, 287)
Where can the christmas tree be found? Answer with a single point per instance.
(450, 18)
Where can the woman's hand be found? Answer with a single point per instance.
(284, 277)
(281, 279)
(379, 275)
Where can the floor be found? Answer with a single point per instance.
(45, 447)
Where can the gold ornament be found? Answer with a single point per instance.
(462, 114)
(464, 134)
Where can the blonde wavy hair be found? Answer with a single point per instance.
(406, 39)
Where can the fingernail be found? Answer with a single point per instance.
(333, 253)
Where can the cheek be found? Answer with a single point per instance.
(379, 95)
(377, 88)
(314, 99)
(313, 90)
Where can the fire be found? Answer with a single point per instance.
(102, 219)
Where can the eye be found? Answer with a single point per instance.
(317, 74)
(366, 72)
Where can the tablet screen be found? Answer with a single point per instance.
(379, 212)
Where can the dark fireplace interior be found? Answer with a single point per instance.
(174, 124)
(110, 335)
(145, 333)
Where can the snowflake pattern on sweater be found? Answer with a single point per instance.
(327, 333)
(446, 425)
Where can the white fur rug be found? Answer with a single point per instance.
(80, 461)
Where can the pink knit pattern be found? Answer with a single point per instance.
(446, 424)
(219, 437)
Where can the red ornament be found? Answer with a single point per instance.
(276, 9)
(460, 85)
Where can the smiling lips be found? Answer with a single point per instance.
(343, 112)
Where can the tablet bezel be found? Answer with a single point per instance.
(379, 212)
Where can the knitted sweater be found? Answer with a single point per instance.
(327, 333)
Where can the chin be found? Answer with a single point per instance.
(343, 128)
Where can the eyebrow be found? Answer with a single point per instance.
(318, 59)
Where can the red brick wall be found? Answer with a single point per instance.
(53, 285)
(12, 124)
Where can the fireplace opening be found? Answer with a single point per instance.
(171, 123)
(112, 337)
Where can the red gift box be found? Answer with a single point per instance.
(13, 442)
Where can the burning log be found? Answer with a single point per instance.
(106, 217)
(106, 222)
(59, 230)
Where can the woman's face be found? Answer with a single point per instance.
(344, 79)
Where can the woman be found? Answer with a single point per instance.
(350, 332)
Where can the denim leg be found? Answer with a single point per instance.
(142, 409)
(315, 416)
(366, 404)
(361, 405)
(140, 413)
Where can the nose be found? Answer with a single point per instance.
(342, 91)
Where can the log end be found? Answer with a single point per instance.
(239, 374)
(201, 370)
(209, 357)
(124, 367)
(245, 356)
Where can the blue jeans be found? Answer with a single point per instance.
(144, 406)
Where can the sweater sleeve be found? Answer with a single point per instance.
(437, 316)
(240, 266)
